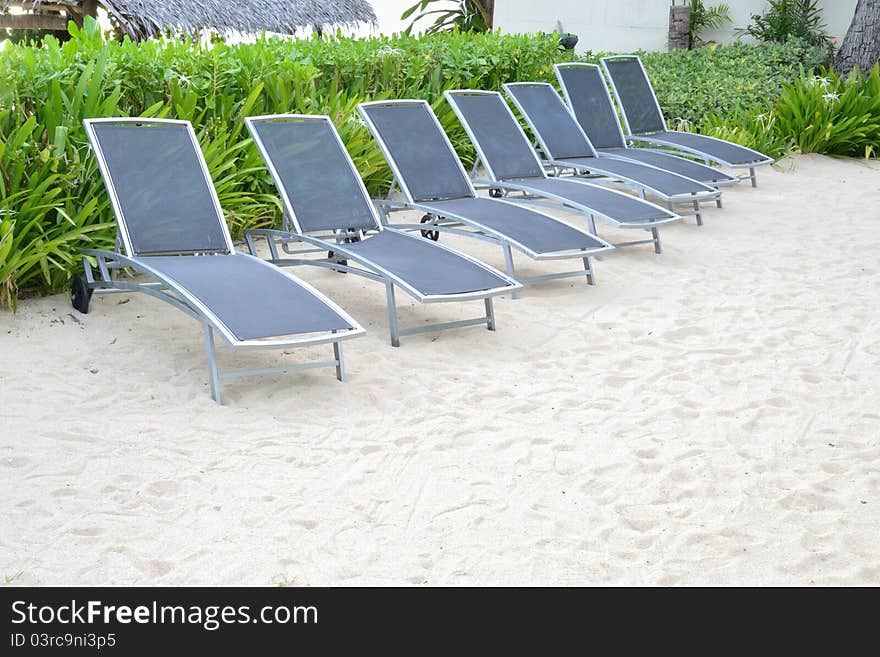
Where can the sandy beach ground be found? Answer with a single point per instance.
(708, 416)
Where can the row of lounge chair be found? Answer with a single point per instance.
(171, 227)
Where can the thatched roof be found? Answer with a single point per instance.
(144, 18)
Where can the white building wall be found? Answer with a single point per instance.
(626, 25)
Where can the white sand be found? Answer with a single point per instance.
(707, 416)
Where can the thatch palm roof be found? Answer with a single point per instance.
(144, 18)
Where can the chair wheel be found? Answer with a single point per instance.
(494, 192)
(432, 235)
(342, 261)
(80, 294)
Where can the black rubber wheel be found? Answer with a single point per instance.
(342, 261)
(494, 192)
(80, 294)
(432, 235)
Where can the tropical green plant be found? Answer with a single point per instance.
(41, 223)
(52, 200)
(465, 16)
(753, 127)
(786, 19)
(706, 18)
(822, 113)
(833, 115)
(693, 84)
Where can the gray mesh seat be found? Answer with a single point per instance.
(327, 207)
(512, 166)
(589, 100)
(644, 122)
(659, 182)
(528, 230)
(426, 266)
(172, 231)
(600, 201)
(431, 178)
(249, 299)
(566, 146)
(682, 166)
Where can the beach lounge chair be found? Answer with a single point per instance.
(511, 165)
(430, 176)
(326, 208)
(587, 95)
(644, 122)
(566, 147)
(172, 231)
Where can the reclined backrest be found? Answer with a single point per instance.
(587, 96)
(554, 126)
(503, 146)
(313, 172)
(635, 94)
(159, 186)
(417, 149)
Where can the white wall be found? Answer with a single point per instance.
(626, 25)
(836, 14)
(618, 25)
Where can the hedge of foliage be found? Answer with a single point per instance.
(52, 200)
(693, 84)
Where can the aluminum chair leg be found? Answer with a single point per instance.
(212, 364)
(249, 240)
(658, 245)
(588, 266)
(392, 314)
(511, 271)
(698, 213)
(340, 359)
(490, 313)
(753, 176)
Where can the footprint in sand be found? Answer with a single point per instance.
(163, 487)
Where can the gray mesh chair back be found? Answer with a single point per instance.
(500, 141)
(417, 149)
(159, 186)
(546, 113)
(634, 92)
(589, 100)
(313, 172)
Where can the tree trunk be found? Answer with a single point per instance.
(90, 8)
(679, 37)
(487, 11)
(861, 46)
(86, 8)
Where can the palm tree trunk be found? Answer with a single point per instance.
(861, 46)
(487, 10)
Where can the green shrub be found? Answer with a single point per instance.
(52, 200)
(815, 114)
(751, 127)
(787, 19)
(718, 80)
(42, 221)
(832, 115)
